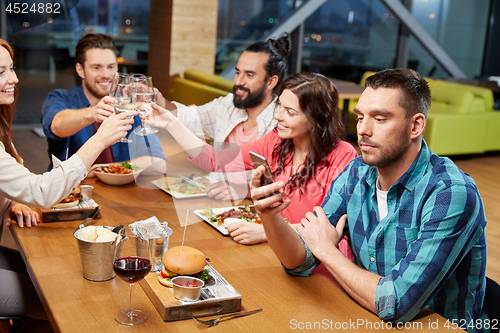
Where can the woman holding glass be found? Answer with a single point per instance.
(19, 187)
(304, 151)
(133, 92)
(145, 95)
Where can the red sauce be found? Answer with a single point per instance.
(188, 284)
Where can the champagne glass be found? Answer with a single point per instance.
(124, 95)
(132, 263)
(145, 95)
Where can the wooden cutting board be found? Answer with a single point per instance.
(59, 215)
(171, 309)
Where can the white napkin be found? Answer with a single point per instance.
(154, 228)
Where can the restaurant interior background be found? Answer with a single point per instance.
(341, 39)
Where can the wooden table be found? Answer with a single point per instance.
(289, 303)
(132, 65)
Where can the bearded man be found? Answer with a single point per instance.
(248, 113)
(243, 116)
(71, 117)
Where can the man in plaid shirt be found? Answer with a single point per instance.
(415, 221)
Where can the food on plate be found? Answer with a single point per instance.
(71, 200)
(182, 260)
(119, 169)
(247, 213)
(182, 186)
(96, 234)
(187, 189)
(167, 181)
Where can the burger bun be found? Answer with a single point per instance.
(71, 200)
(66, 204)
(166, 281)
(184, 260)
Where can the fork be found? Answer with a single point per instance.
(215, 322)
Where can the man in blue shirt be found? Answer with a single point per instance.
(415, 221)
(71, 117)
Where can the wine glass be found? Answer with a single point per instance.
(145, 95)
(132, 263)
(124, 96)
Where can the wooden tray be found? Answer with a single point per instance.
(53, 215)
(171, 309)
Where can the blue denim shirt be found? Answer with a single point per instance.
(61, 99)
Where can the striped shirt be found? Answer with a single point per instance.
(215, 120)
(430, 249)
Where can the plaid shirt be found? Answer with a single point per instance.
(215, 120)
(430, 249)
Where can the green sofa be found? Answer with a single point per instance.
(461, 119)
(198, 87)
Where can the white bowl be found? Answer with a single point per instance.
(117, 179)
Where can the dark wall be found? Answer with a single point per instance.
(491, 63)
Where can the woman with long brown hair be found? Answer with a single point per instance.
(19, 187)
(304, 150)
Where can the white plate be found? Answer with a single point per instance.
(216, 211)
(177, 195)
(220, 228)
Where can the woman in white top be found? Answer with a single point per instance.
(19, 187)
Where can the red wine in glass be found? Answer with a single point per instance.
(132, 263)
(132, 269)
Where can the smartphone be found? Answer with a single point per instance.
(267, 177)
(258, 160)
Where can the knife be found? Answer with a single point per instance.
(192, 182)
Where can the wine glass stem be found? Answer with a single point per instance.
(131, 309)
(145, 125)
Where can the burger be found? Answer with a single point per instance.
(182, 260)
(71, 200)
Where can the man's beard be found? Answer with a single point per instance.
(94, 91)
(388, 155)
(252, 100)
